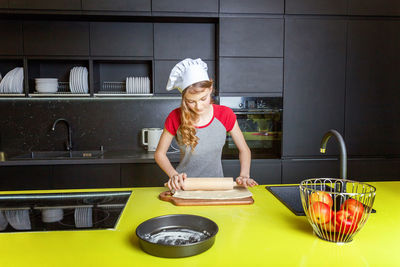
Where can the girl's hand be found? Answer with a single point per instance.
(246, 181)
(176, 181)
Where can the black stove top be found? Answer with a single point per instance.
(61, 211)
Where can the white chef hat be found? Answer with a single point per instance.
(187, 72)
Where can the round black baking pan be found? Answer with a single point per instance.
(176, 221)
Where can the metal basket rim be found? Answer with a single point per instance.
(303, 187)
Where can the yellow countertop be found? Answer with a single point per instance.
(263, 234)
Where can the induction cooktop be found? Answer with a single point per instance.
(61, 211)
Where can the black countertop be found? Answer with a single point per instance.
(109, 157)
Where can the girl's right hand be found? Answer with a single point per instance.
(176, 181)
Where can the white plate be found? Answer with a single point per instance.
(85, 80)
(71, 72)
(80, 80)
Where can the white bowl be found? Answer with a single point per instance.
(52, 215)
(47, 88)
(46, 80)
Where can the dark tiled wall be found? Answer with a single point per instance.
(25, 124)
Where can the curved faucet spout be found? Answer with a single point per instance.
(343, 153)
(69, 140)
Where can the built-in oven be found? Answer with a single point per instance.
(260, 119)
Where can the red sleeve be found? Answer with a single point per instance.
(173, 121)
(226, 116)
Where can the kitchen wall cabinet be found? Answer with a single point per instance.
(185, 6)
(372, 89)
(46, 4)
(69, 38)
(251, 6)
(121, 39)
(326, 7)
(374, 7)
(295, 171)
(184, 40)
(313, 101)
(11, 37)
(117, 5)
(264, 171)
(374, 169)
(3, 3)
(25, 177)
(251, 37)
(145, 174)
(162, 69)
(85, 176)
(250, 76)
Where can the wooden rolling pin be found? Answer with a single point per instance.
(209, 184)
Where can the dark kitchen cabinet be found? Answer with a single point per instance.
(185, 6)
(11, 41)
(313, 102)
(3, 3)
(46, 4)
(372, 89)
(184, 40)
(295, 171)
(121, 39)
(162, 69)
(144, 174)
(326, 7)
(373, 169)
(374, 7)
(25, 177)
(70, 38)
(251, 6)
(117, 5)
(85, 176)
(251, 37)
(264, 171)
(250, 76)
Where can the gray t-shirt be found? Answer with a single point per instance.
(205, 160)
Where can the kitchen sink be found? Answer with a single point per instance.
(78, 154)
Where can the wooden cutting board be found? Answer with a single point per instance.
(167, 196)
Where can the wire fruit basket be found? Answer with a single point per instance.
(337, 209)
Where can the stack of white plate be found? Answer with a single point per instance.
(13, 83)
(78, 80)
(138, 85)
(46, 85)
(19, 219)
(83, 217)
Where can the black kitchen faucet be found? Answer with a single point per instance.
(69, 140)
(343, 153)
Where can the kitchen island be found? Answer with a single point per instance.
(263, 234)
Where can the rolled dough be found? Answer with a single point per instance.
(237, 192)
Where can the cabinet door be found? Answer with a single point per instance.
(263, 171)
(374, 169)
(143, 174)
(251, 6)
(313, 102)
(251, 37)
(162, 69)
(374, 7)
(295, 171)
(185, 5)
(121, 39)
(184, 40)
(251, 76)
(3, 3)
(25, 177)
(12, 45)
(372, 90)
(337, 7)
(117, 5)
(46, 4)
(86, 176)
(56, 38)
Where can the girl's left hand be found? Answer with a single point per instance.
(246, 181)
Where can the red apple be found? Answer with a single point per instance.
(321, 196)
(354, 207)
(346, 223)
(320, 212)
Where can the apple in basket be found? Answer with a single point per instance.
(320, 213)
(354, 207)
(321, 196)
(346, 223)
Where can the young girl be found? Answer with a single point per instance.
(200, 129)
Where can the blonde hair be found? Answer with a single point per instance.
(187, 128)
